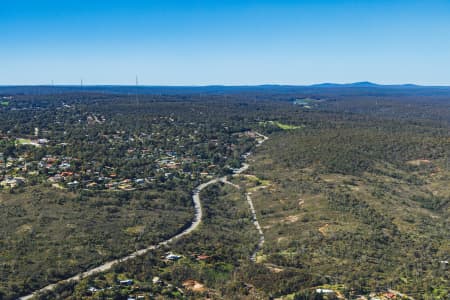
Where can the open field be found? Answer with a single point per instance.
(280, 125)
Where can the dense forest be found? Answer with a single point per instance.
(351, 190)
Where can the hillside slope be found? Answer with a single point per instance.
(360, 209)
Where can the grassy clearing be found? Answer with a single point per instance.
(135, 230)
(281, 125)
(22, 141)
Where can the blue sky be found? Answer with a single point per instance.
(187, 42)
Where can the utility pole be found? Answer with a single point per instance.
(137, 103)
(137, 84)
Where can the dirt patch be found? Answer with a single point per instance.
(291, 219)
(26, 228)
(281, 239)
(354, 188)
(135, 230)
(256, 188)
(323, 229)
(418, 162)
(57, 186)
(194, 286)
(274, 269)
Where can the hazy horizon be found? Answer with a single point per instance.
(219, 85)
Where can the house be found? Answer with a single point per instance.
(50, 160)
(12, 182)
(390, 295)
(156, 280)
(64, 166)
(126, 282)
(203, 257)
(73, 183)
(55, 179)
(324, 291)
(173, 257)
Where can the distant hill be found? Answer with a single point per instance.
(323, 88)
(367, 84)
(356, 84)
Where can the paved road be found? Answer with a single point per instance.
(108, 265)
(195, 223)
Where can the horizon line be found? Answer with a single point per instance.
(323, 84)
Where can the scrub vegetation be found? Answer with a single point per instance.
(351, 193)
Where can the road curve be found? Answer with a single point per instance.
(195, 223)
(108, 265)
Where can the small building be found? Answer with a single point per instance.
(91, 184)
(126, 282)
(157, 280)
(173, 257)
(64, 166)
(203, 257)
(12, 182)
(55, 179)
(73, 183)
(139, 181)
(324, 291)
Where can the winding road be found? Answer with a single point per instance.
(108, 265)
(194, 225)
